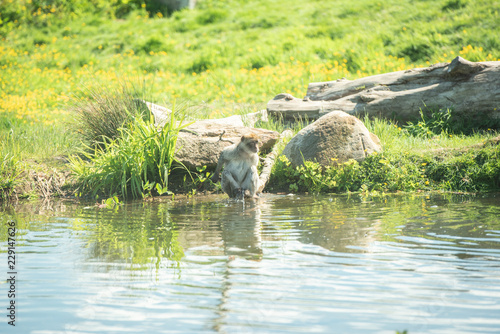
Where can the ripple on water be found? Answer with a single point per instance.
(301, 264)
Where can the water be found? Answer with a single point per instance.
(288, 264)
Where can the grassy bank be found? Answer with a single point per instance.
(227, 56)
(409, 162)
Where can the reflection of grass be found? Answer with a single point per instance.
(145, 239)
(135, 234)
(222, 54)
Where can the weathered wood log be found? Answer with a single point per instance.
(270, 159)
(471, 89)
(162, 116)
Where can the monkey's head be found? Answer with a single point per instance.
(251, 142)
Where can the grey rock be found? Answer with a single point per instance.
(201, 143)
(332, 139)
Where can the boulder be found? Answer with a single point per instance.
(332, 139)
(201, 143)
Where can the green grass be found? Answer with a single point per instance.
(9, 172)
(137, 161)
(27, 149)
(350, 39)
(101, 112)
(38, 142)
(228, 57)
(409, 162)
(399, 139)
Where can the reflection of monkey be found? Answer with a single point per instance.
(240, 176)
(241, 231)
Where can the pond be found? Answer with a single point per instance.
(425, 263)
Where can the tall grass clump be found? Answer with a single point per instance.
(102, 112)
(138, 161)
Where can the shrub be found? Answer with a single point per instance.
(138, 161)
(434, 124)
(202, 63)
(471, 171)
(416, 51)
(152, 44)
(312, 177)
(454, 5)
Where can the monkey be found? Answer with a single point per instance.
(240, 177)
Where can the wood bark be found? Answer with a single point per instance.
(270, 159)
(466, 87)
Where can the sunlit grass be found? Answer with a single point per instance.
(240, 57)
(226, 57)
(37, 141)
(396, 140)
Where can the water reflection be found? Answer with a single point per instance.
(426, 263)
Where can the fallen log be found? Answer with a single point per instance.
(469, 89)
(270, 159)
